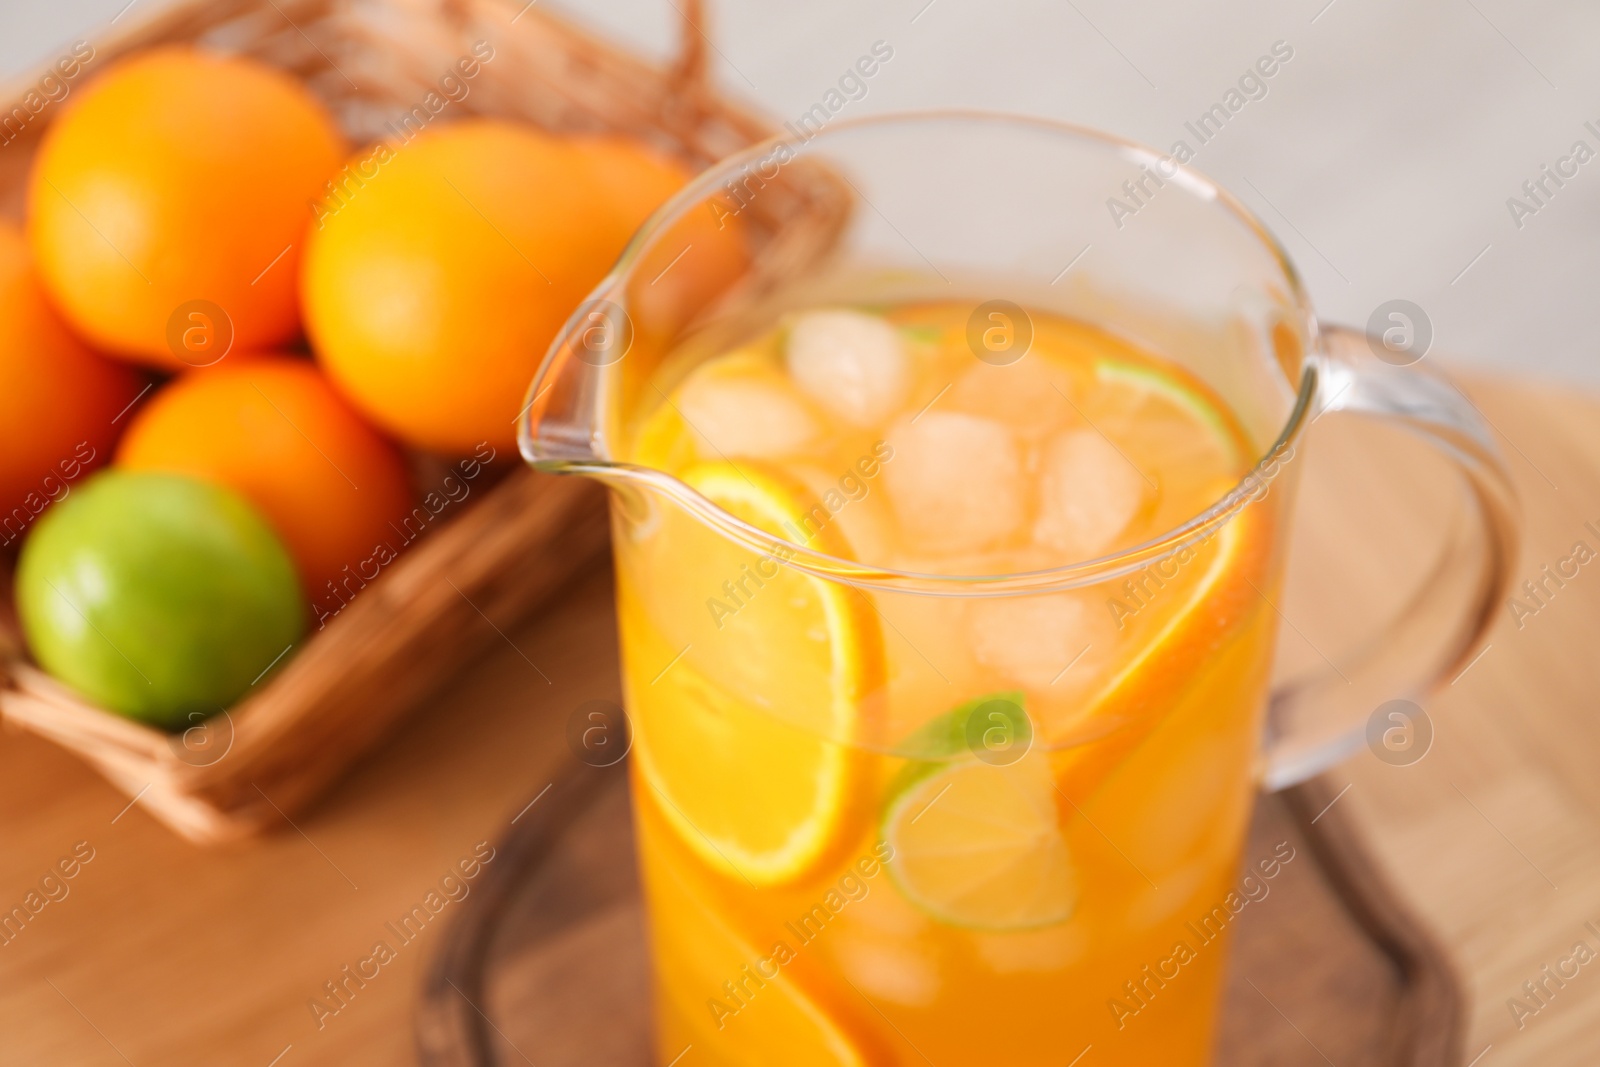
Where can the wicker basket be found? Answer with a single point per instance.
(447, 597)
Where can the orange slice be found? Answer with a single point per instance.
(1201, 593)
(749, 743)
(771, 1016)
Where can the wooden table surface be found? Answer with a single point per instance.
(165, 953)
(1494, 836)
(162, 953)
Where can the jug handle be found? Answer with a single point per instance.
(1317, 720)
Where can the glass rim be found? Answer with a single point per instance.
(1118, 564)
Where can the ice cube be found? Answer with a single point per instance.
(884, 914)
(1033, 951)
(955, 481)
(1024, 395)
(899, 970)
(1033, 640)
(745, 412)
(881, 942)
(1088, 493)
(855, 365)
(1152, 906)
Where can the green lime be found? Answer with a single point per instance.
(1142, 383)
(994, 727)
(976, 835)
(157, 595)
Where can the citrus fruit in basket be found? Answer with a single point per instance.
(57, 398)
(693, 262)
(273, 429)
(157, 595)
(168, 205)
(433, 291)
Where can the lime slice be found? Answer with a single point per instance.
(995, 727)
(1146, 390)
(922, 333)
(1171, 425)
(759, 798)
(979, 845)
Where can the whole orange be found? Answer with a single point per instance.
(58, 400)
(438, 278)
(178, 177)
(687, 267)
(273, 430)
(632, 178)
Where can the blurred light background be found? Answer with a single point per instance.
(1383, 154)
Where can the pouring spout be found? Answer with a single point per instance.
(569, 415)
(680, 271)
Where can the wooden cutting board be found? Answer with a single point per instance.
(548, 963)
(1493, 838)
(166, 954)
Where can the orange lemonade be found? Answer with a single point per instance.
(883, 824)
